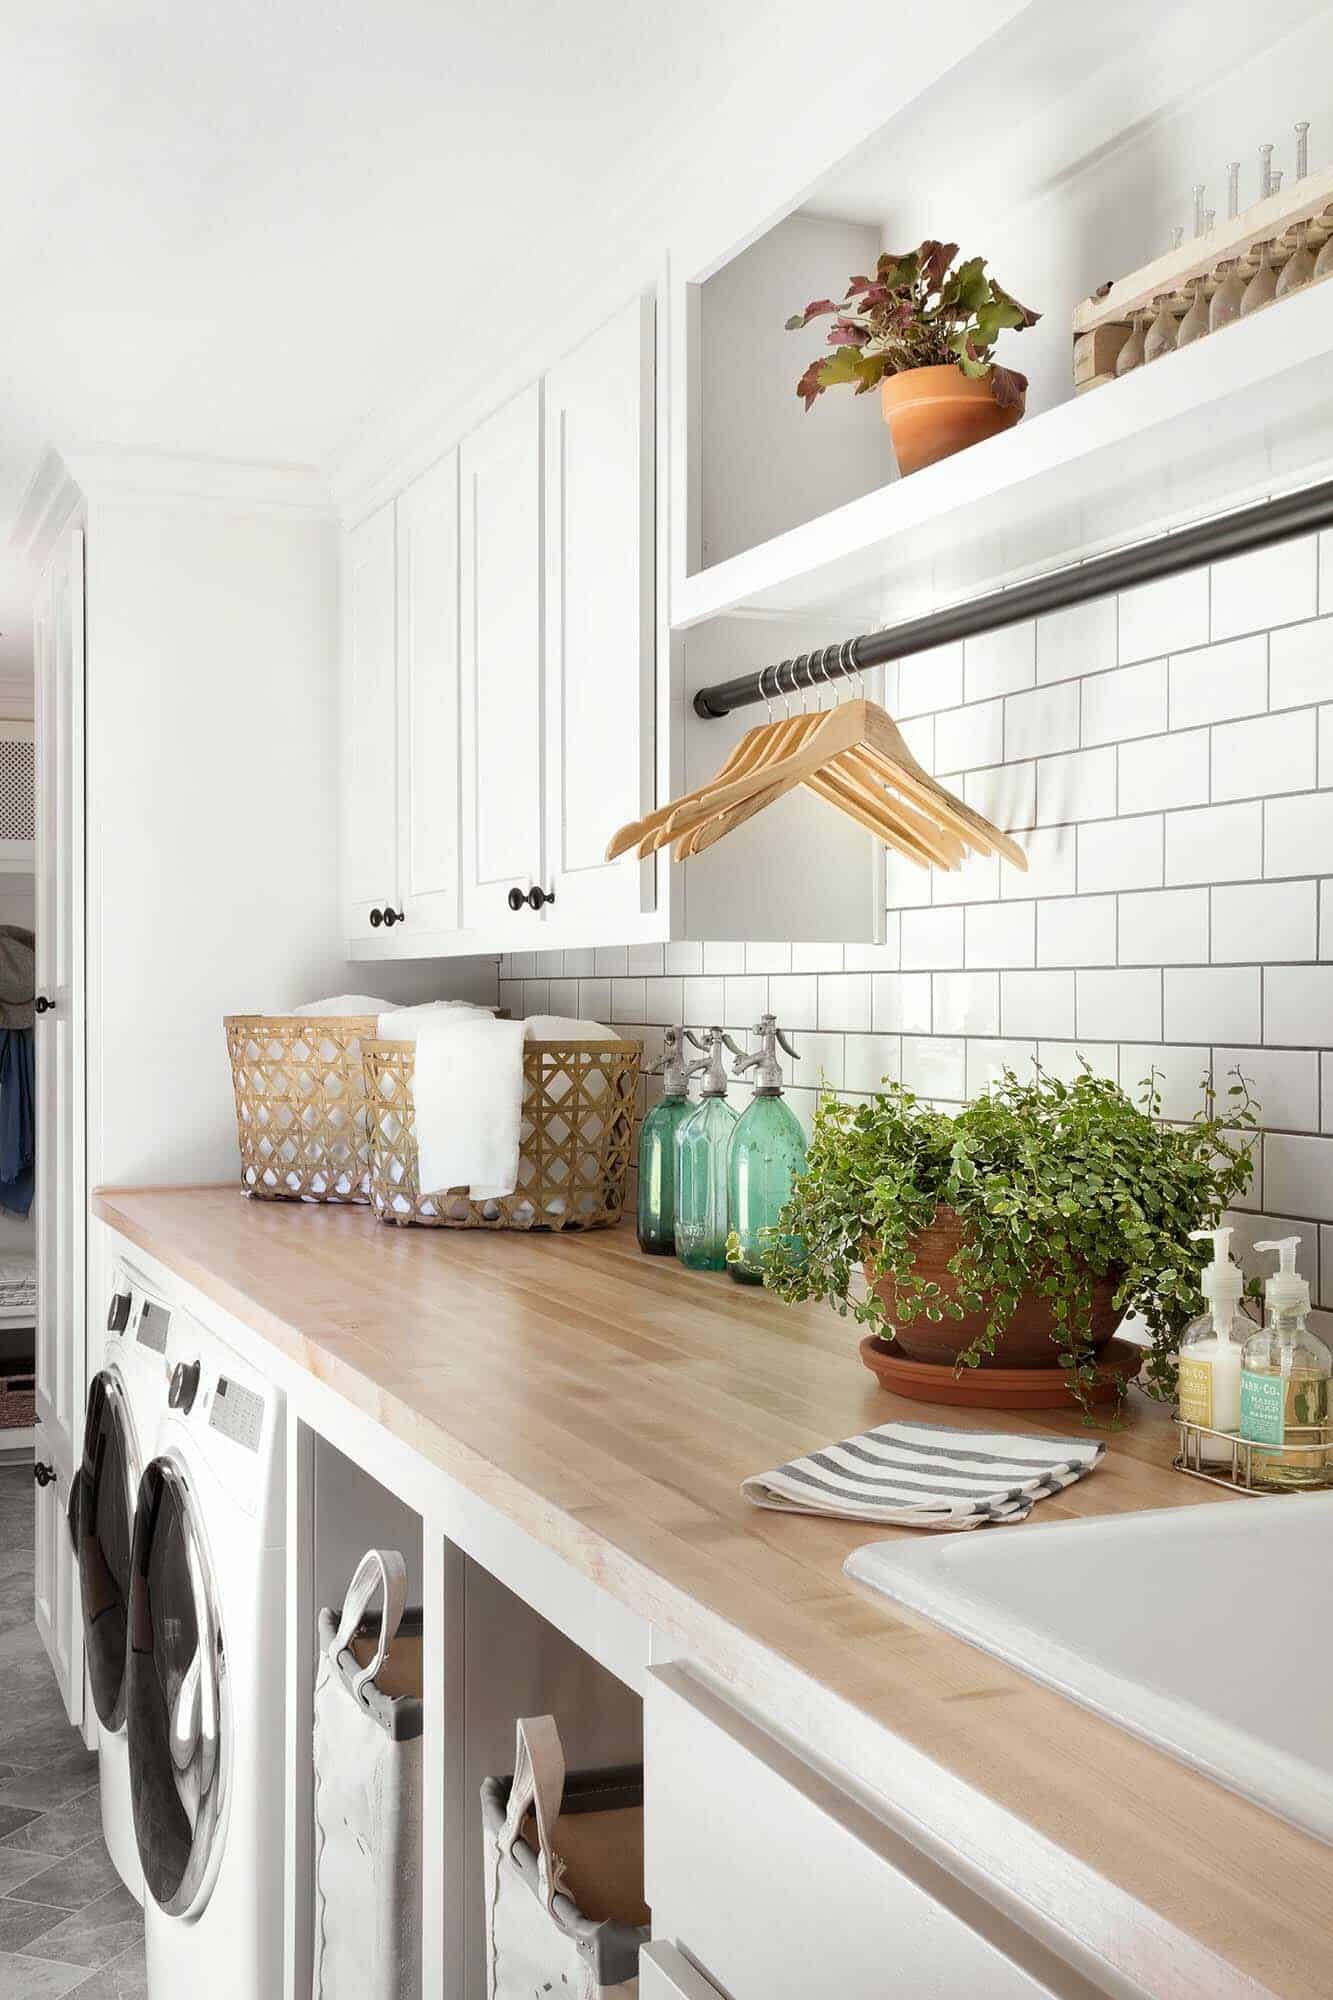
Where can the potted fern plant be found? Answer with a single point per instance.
(923, 330)
(1020, 1231)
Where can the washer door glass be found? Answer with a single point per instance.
(176, 1695)
(101, 1519)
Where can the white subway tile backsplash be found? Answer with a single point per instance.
(794, 998)
(664, 1000)
(1219, 682)
(536, 996)
(900, 1002)
(844, 1001)
(644, 961)
(564, 997)
(1326, 919)
(884, 957)
(1164, 927)
(1067, 1060)
(1164, 617)
(918, 732)
(1273, 586)
(930, 681)
(1272, 753)
(1000, 935)
(1043, 722)
(1129, 702)
(510, 998)
(1326, 745)
(628, 1000)
(583, 964)
(1298, 1006)
(935, 1066)
(1216, 844)
(868, 1060)
(1298, 1175)
(966, 1003)
(977, 881)
(1298, 834)
(1081, 640)
(1111, 1005)
(998, 662)
(1264, 921)
(705, 1002)
(820, 1062)
(1252, 1229)
(1078, 786)
(1211, 1003)
(1300, 664)
(595, 1001)
(1077, 930)
(988, 1061)
(967, 738)
(765, 958)
(1005, 793)
(1120, 854)
(1052, 854)
(931, 939)
(724, 958)
(1037, 1003)
(906, 886)
(1164, 771)
(610, 961)
(816, 958)
(1178, 1076)
(745, 1000)
(1285, 1083)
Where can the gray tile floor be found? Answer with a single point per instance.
(67, 1925)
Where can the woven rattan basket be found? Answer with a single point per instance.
(18, 1397)
(575, 1145)
(301, 1104)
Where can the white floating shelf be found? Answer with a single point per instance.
(1244, 412)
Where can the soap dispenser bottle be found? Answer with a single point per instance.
(702, 1145)
(1208, 1389)
(1284, 1382)
(767, 1153)
(657, 1146)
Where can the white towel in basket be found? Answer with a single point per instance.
(467, 1088)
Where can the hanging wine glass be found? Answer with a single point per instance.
(1227, 298)
(1262, 288)
(1161, 335)
(1299, 267)
(1131, 354)
(1195, 323)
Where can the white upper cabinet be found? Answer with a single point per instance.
(370, 726)
(500, 514)
(428, 705)
(600, 618)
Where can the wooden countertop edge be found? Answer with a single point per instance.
(954, 1810)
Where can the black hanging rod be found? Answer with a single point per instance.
(1279, 519)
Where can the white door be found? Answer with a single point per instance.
(600, 618)
(428, 753)
(500, 538)
(369, 721)
(60, 1200)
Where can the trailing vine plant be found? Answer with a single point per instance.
(1056, 1185)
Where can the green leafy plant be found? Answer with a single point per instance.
(1056, 1185)
(920, 310)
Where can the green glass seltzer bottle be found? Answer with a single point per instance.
(767, 1154)
(657, 1146)
(702, 1146)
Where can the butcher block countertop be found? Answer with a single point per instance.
(610, 1404)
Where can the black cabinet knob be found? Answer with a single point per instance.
(534, 900)
(43, 1474)
(43, 1005)
(516, 898)
(392, 917)
(376, 919)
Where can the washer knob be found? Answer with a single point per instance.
(184, 1386)
(118, 1314)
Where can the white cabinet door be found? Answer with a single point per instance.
(428, 714)
(761, 1870)
(370, 727)
(60, 1197)
(501, 655)
(600, 618)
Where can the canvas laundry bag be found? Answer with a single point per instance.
(565, 1913)
(368, 1791)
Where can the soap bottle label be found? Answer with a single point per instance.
(1195, 1391)
(1263, 1403)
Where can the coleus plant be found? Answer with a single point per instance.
(920, 310)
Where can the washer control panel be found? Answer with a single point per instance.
(153, 1323)
(237, 1412)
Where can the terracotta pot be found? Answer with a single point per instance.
(1025, 1343)
(933, 412)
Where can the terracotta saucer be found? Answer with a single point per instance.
(998, 1388)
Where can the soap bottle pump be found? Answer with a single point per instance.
(702, 1145)
(657, 1145)
(767, 1153)
(1208, 1390)
(1284, 1382)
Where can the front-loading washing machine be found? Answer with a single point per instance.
(126, 1398)
(204, 1697)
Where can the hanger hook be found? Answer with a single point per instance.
(784, 692)
(823, 672)
(767, 698)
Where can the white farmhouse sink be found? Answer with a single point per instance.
(1208, 1630)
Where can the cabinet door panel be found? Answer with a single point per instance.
(428, 748)
(369, 724)
(501, 654)
(600, 616)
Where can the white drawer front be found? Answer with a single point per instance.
(783, 1886)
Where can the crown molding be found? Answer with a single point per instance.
(65, 480)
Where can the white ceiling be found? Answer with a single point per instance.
(234, 230)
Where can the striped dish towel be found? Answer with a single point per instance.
(927, 1476)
